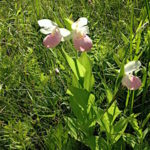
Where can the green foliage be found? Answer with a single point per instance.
(35, 110)
(18, 135)
(56, 138)
(68, 23)
(86, 112)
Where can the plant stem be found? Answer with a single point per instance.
(132, 102)
(127, 101)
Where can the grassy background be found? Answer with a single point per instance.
(33, 98)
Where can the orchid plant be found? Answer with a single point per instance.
(82, 101)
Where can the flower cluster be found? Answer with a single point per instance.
(82, 42)
(55, 35)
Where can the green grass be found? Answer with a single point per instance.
(33, 99)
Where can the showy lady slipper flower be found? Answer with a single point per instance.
(54, 34)
(130, 81)
(81, 40)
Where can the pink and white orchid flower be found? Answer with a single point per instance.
(130, 81)
(54, 34)
(81, 40)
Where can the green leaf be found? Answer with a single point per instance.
(108, 91)
(75, 65)
(88, 77)
(118, 129)
(72, 126)
(145, 132)
(115, 56)
(79, 102)
(113, 112)
(146, 120)
(124, 38)
(130, 139)
(106, 121)
(75, 82)
(83, 106)
(96, 143)
(135, 126)
(92, 111)
(68, 23)
(82, 69)
(91, 101)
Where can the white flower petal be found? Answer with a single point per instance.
(74, 26)
(132, 66)
(48, 30)
(66, 34)
(46, 23)
(45, 31)
(82, 22)
(79, 23)
(83, 30)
